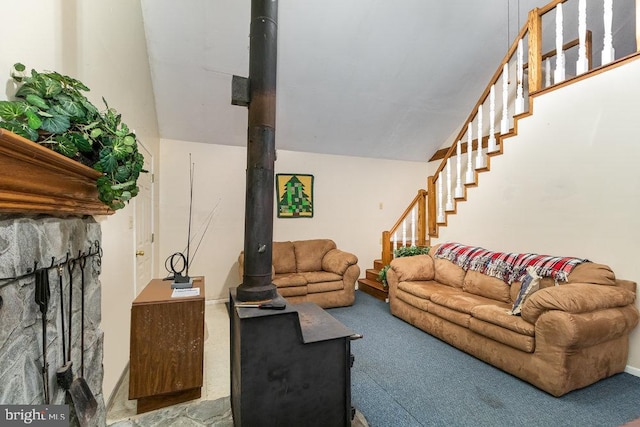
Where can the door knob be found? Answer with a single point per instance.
(140, 253)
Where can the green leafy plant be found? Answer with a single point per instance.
(399, 253)
(382, 275)
(51, 109)
(411, 251)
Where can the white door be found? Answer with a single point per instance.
(144, 224)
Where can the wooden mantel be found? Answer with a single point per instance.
(35, 179)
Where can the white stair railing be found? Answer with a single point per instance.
(492, 147)
(395, 242)
(469, 176)
(504, 123)
(440, 217)
(520, 84)
(559, 73)
(449, 205)
(459, 190)
(608, 52)
(550, 70)
(480, 162)
(413, 226)
(547, 72)
(582, 64)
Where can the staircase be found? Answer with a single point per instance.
(371, 285)
(507, 99)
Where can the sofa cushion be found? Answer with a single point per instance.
(498, 315)
(486, 286)
(448, 273)
(449, 314)
(505, 336)
(460, 301)
(413, 300)
(424, 289)
(309, 253)
(336, 285)
(293, 291)
(418, 267)
(289, 280)
(320, 276)
(284, 258)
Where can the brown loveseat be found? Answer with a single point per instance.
(569, 335)
(313, 271)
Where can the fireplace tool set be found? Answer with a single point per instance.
(77, 389)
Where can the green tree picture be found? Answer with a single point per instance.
(295, 195)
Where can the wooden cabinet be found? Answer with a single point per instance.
(166, 349)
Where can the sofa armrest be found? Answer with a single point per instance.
(581, 330)
(575, 298)
(337, 261)
(350, 276)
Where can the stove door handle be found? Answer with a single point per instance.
(355, 337)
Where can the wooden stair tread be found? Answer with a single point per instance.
(372, 274)
(373, 288)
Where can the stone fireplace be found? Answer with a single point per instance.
(28, 241)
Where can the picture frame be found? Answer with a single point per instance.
(294, 195)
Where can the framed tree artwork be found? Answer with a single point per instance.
(295, 195)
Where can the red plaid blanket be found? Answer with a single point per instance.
(509, 267)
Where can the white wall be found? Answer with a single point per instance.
(568, 183)
(101, 43)
(355, 199)
(113, 62)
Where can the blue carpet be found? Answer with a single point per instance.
(402, 376)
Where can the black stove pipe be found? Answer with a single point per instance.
(258, 228)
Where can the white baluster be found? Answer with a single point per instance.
(459, 191)
(559, 74)
(413, 226)
(638, 25)
(504, 124)
(404, 232)
(492, 146)
(547, 72)
(440, 199)
(449, 205)
(608, 52)
(470, 177)
(519, 77)
(480, 163)
(582, 64)
(395, 242)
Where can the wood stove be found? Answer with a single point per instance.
(289, 367)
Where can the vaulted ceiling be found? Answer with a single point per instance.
(367, 78)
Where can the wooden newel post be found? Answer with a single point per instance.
(386, 248)
(431, 206)
(422, 218)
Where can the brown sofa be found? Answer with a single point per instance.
(313, 271)
(568, 335)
